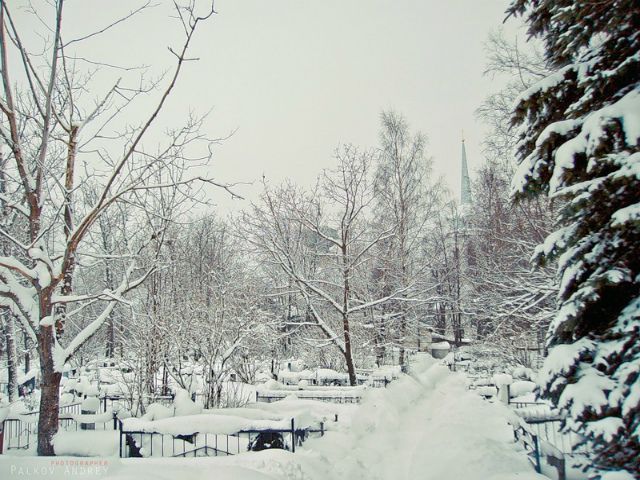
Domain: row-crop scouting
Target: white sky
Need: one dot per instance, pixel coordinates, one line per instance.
(297, 78)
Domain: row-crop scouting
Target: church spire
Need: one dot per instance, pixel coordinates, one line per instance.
(465, 186)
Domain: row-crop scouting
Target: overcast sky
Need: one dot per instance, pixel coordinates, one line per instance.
(296, 78)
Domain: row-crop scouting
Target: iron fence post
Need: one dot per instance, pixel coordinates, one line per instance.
(536, 453)
(120, 435)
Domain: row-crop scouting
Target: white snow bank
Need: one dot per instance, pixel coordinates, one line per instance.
(521, 387)
(292, 407)
(440, 346)
(157, 411)
(501, 379)
(247, 412)
(88, 418)
(183, 405)
(99, 443)
(90, 404)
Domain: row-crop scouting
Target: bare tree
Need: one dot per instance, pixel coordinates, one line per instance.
(322, 242)
(49, 128)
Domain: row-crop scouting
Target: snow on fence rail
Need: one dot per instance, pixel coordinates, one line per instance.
(546, 442)
(115, 402)
(274, 396)
(140, 439)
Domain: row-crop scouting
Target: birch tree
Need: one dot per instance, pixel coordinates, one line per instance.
(405, 199)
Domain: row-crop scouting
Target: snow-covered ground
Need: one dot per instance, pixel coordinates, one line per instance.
(426, 425)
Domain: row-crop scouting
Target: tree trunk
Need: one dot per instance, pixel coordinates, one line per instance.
(165, 380)
(27, 352)
(110, 351)
(49, 399)
(12, 356)
(403, 337)
(347, 351)
(380, 338)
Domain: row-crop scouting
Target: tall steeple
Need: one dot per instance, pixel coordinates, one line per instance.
(465, 186)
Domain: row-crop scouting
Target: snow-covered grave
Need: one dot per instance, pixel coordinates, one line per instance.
(188, 430)
(272, 391)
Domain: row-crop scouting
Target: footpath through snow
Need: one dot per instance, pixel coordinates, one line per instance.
(426, 425)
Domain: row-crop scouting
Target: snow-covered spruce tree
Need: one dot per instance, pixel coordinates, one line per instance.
(579, 131)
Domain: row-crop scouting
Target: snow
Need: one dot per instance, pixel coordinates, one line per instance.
(630, 214)
(90, 404)
(99, 443)
(426, 426)
(620, 475)
(502, 379)
(217, 423)
(562, 357)
(523, 373)
(89, 418)
(341, 392)
(521, 387)
(627, 110)
(607, 427)
(157, 411)
(4, 412)
(589, 393)
(30, 375)
(183, 405)
(187, 425)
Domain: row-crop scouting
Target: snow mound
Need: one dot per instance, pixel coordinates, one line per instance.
(183, 404)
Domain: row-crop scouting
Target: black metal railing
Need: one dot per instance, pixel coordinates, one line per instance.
(531, 444)
(545, 440)
(18, 432)
(149, 444)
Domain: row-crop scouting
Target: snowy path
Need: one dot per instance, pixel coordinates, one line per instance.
(427, 426)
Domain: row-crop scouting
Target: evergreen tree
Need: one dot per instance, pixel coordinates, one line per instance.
(578, 132)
